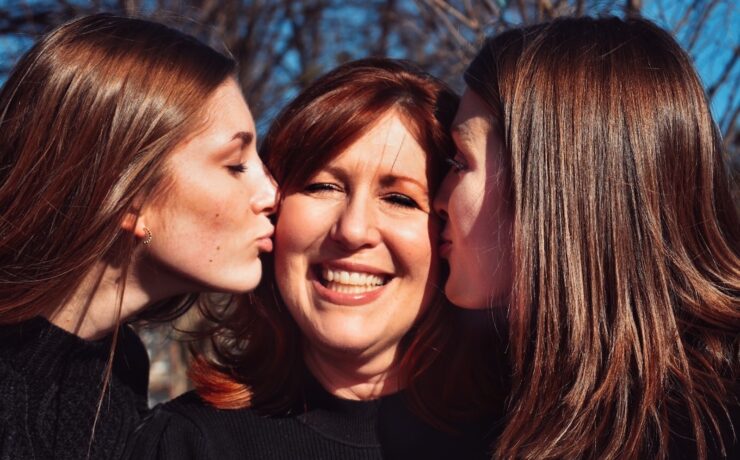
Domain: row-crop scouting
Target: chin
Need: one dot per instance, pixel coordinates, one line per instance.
(247, 281)
(461, 298)
(348, 342)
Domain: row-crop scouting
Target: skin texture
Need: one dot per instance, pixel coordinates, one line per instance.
(213, 221)
(368, 210)
(473, 199)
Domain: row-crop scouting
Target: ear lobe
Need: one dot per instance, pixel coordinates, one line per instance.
(133, 222)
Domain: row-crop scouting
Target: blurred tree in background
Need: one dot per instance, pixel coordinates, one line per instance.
(282, 45)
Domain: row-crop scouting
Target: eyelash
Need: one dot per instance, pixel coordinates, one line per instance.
(238, 168)
(455, 164)
(394, 199)
(403, 201)
(321, 187)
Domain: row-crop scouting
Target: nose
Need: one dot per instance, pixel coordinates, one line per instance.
(265, 198)
(356, 226)
(443, 197)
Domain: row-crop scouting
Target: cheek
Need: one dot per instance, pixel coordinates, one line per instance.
(416, 246)
(466, 203)
(301, 223)
(212, 205)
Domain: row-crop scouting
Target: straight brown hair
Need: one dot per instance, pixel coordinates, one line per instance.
(87, 118)
(625, 310)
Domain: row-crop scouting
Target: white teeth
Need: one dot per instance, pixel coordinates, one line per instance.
(350, 282)
(349, 289)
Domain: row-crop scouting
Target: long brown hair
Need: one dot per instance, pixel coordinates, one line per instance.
(625, 312)
(257, 344)
(87, 117)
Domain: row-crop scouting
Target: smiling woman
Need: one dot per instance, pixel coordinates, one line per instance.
(349, 350)
(356, 257)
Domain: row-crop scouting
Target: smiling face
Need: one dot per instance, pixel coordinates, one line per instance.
(211, 222)
(355, 256)
(477, 238)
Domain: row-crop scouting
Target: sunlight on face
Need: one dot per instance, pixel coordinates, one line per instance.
(355, 247)
(213, 222)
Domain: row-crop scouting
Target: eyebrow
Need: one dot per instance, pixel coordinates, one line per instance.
(390, 179)
(244, 136)
(385, 180)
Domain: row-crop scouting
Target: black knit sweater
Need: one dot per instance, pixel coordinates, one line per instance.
(322, 426)
(50, 387)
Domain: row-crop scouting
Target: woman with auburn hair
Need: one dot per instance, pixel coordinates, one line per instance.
(129, 182)
(590, 174)
(348, 349)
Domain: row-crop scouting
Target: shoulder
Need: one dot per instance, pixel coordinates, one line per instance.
(50, 390)
(188, 427)
(170, 432)
(405, 434)
(14, 439)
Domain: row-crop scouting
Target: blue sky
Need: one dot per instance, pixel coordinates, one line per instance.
(711, 53)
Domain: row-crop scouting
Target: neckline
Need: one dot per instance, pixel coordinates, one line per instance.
(350, 422)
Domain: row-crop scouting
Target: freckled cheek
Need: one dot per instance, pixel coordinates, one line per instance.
(221, 210)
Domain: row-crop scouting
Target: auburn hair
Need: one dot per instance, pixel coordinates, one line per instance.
(257, 345)
(624, 318)
(87, 118)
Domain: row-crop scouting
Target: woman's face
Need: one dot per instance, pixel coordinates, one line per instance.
(355, 248)
(211, 224)
(477, 238)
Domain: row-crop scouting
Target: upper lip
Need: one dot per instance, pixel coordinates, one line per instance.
(351, 266)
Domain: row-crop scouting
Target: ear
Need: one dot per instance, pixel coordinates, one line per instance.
(134, 222)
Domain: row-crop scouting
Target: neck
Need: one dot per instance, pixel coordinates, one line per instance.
(106, 299)
(349, 377)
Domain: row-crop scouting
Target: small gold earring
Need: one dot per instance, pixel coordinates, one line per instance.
(148, 238)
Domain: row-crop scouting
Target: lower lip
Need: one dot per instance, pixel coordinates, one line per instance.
(445, 249)
(264, 244)
(351, 300)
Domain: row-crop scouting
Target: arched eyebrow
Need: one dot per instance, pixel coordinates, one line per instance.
(245, 137)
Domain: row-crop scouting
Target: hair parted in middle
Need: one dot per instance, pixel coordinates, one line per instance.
(257, 344)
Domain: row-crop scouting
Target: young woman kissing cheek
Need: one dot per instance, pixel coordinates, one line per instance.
(355, 252)
(474, 202)
(213, 223)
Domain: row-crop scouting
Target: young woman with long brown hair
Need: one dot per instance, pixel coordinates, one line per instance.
(348, 349)
(129, 182)
(589, 199)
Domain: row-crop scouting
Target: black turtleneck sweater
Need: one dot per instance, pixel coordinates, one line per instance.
(321, 427)
(50, 387)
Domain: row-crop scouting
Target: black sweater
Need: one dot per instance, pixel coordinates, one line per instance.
(50, 387)
(321, 427)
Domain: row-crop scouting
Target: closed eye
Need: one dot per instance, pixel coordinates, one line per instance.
(456, 164)
(237, 168)
(321, 187)
(401, 200)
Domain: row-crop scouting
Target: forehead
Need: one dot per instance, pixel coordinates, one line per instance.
(227, 106)
(387, 146)
(473, 118)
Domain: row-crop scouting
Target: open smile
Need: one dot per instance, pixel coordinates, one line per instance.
(349, 286)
